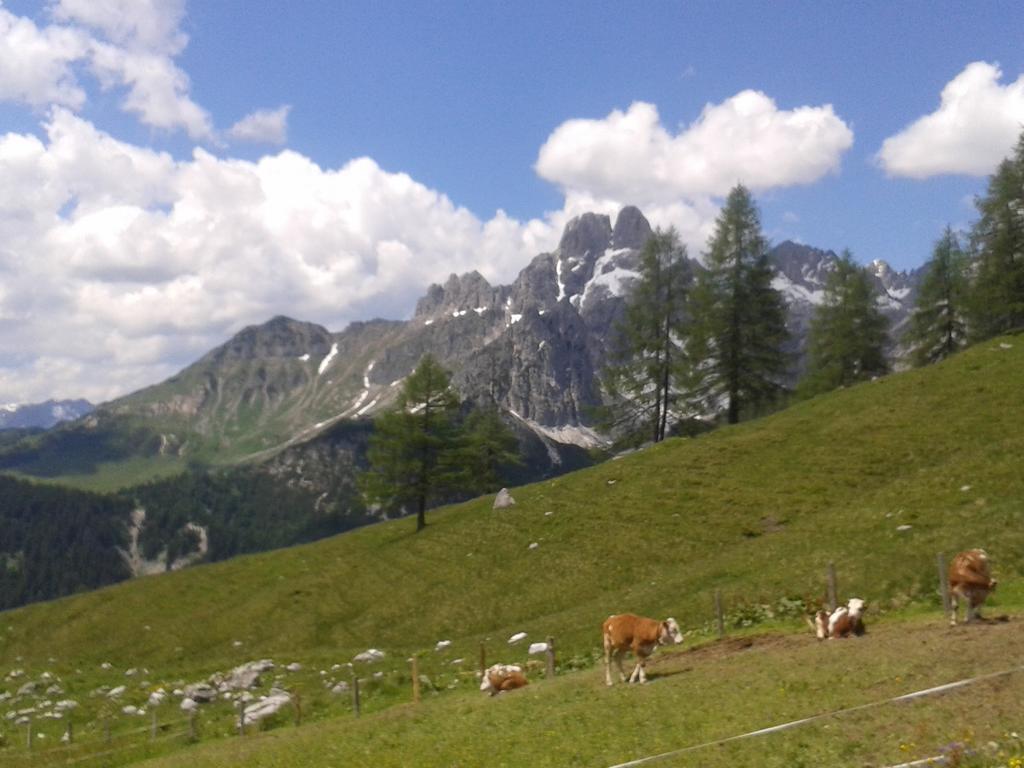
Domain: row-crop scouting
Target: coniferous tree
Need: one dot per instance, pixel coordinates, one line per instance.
(648, 358)
(415, 448)
(739, 318)
(937, 326)
(997, 240)
(490, 449)
(848, 335)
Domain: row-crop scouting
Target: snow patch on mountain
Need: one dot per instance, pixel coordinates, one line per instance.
(327, 360)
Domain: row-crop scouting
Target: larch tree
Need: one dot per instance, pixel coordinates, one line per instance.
(415, 449)
(938, 326)
(739, 319)
(997, 242)
(648, 359)
(848, 334)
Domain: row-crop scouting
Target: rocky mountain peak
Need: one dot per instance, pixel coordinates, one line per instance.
(632, 229)
(279, 337)
(459, 293)
(589, 234)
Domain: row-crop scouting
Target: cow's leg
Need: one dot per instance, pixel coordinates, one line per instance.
(954, 604)
(607, 660)
(619, 655)
(637, 671)
(642, 665)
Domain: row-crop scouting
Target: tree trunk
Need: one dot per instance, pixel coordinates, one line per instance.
(421, 513)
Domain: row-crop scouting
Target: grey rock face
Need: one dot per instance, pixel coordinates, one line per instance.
(632, 230)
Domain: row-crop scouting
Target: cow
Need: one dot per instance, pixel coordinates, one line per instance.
(629, 632)
(844, 621)
(970, 581)
(503, 677)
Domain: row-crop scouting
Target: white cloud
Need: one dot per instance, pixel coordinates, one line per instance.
(264, 126)
(151, 25)
(745, 138)
(125, 44)
(631, 158)
(120, 265)
(976, 125)
(36, 64)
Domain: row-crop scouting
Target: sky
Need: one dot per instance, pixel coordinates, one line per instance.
(173, 171)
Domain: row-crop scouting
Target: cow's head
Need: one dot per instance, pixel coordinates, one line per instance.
(856, 607)
(670, 632)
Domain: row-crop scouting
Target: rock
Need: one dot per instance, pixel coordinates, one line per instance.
(65, 705)
(369, 655)
(442, 644)
(534, 545)
(503, 499)
(340, 688)
(28, 689)
(189, 705)
(294, 667)
(113, 693)
(106, 665)
(247, 676)
(130, 710)
(201, 692)
(156, 698)
(536, 648)
(54, 690)
(903, 528)
(518, 637)
(265, 707)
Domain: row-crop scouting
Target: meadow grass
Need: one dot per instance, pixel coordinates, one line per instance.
(756, 511)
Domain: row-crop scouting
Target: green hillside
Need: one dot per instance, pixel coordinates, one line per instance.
(756, 511)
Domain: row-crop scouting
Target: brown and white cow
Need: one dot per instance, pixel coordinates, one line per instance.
(844, 621)
(970, 581)
(503, 677)
(629, 632)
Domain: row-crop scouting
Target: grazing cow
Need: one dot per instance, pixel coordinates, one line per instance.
(969, 581)
(844, 621)
(628, 632)
(503, 677)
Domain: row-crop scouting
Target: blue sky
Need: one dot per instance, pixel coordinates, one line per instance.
(179, 170)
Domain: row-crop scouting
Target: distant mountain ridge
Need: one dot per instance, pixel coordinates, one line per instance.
(42, 415)
(535, 347)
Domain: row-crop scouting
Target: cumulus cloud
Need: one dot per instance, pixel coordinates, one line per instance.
(120, 264)
(745, 138)
(124, 44)
(36, 64)
(630, 157)
(264, 126)
(976, 125)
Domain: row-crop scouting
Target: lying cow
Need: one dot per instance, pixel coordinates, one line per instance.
(628, 632)
(503, 677)
(971, 582)
(844, 621)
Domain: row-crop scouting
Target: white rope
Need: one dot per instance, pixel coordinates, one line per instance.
(803, 721)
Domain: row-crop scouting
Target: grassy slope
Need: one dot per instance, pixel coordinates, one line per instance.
(756, 511)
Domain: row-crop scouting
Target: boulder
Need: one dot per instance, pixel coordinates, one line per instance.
(503, 499)
(265, 707)
(246, 676)
(202, 693)
(370, 654)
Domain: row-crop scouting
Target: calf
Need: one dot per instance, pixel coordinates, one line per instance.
(971, 582)
(503, 677)
(628, 632)
(844, 621)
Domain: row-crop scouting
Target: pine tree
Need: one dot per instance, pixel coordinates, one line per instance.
(648, 357)
(997, 239)
(490, 449)
(937, 326)
(415, 448)
(739, 318)
(848, 335)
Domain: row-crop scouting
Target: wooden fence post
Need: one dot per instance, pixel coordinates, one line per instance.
(355, 695)
(28, 736)
(106, 730)
(415, 680)
(152, 726)
(943, 583)
(241, 717)
(70, 732)
(719, 615)
(550, 653)
(483, 658)
(833, 600)
(297, 703)
(193, 735)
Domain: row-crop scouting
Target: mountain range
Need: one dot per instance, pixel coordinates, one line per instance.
(285, 405)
